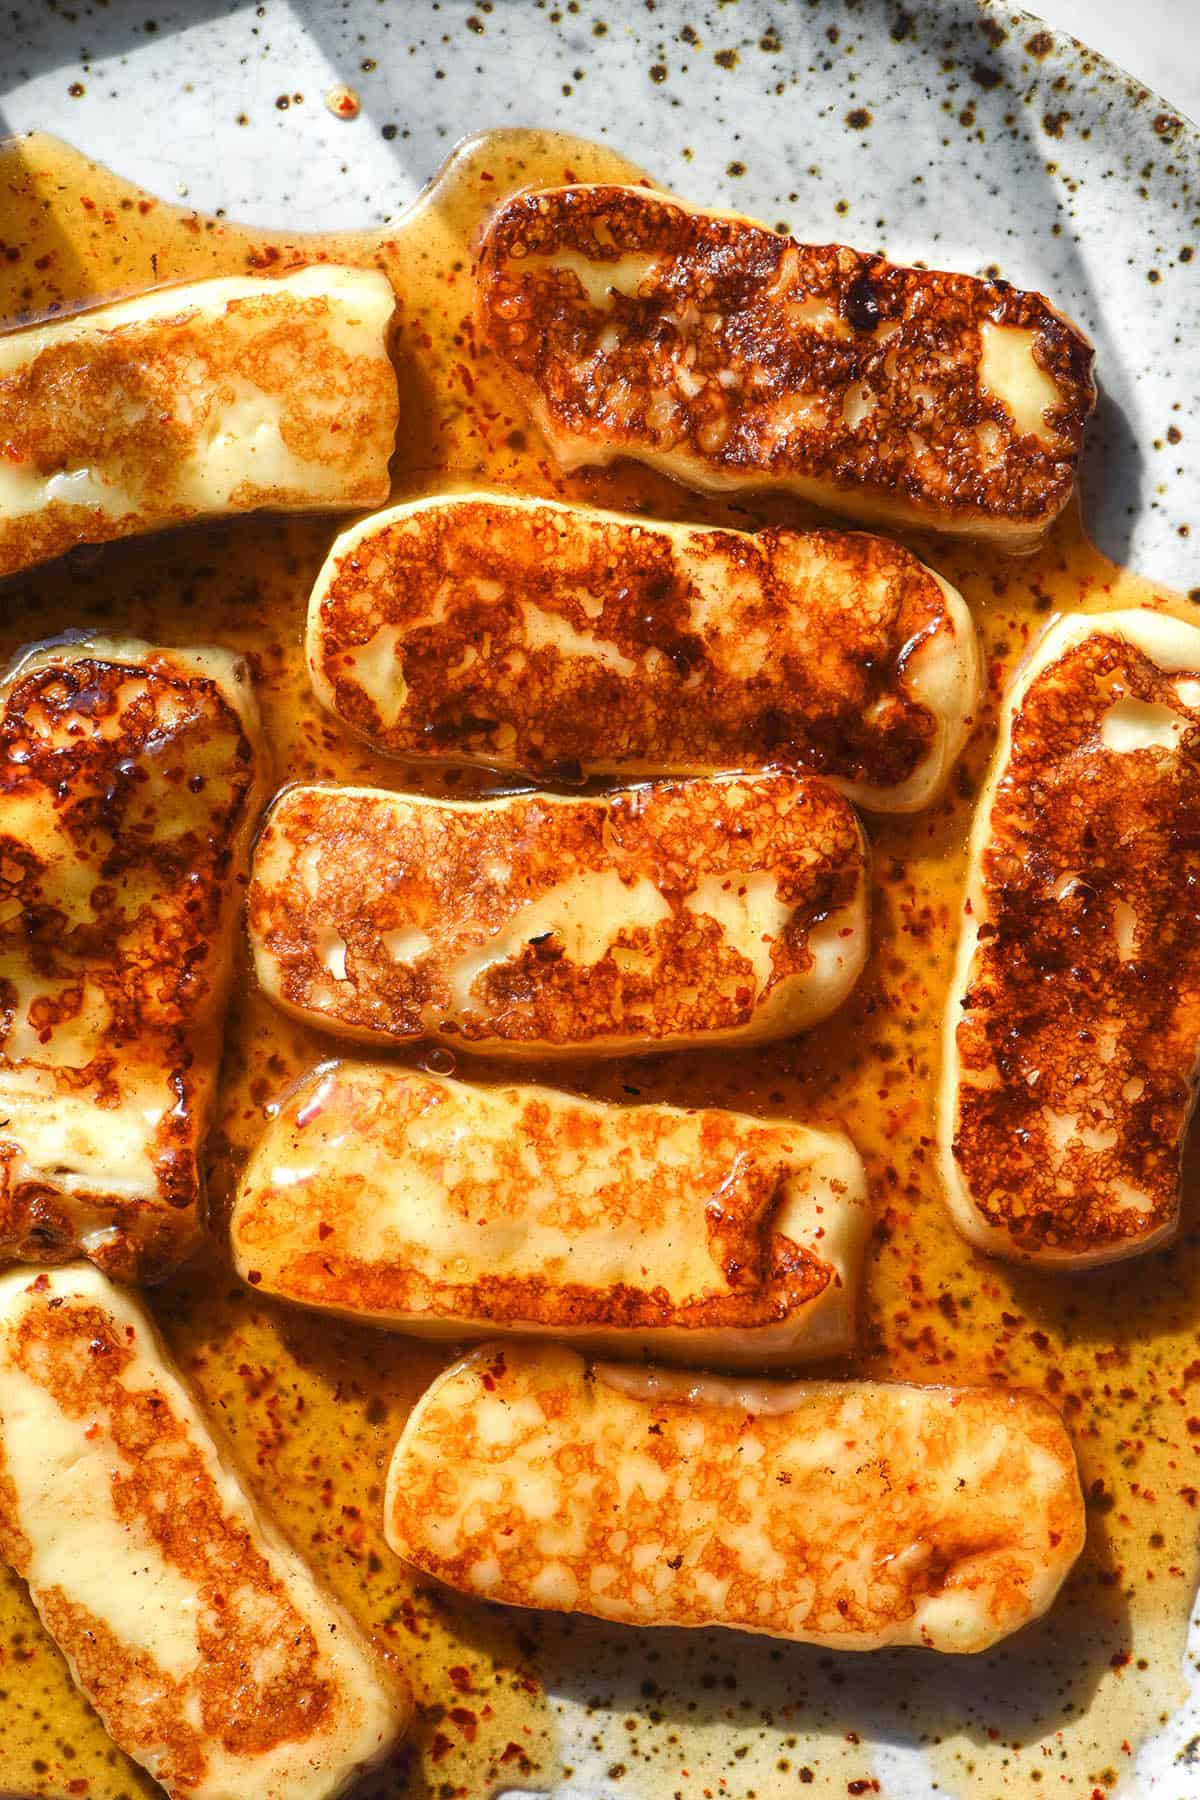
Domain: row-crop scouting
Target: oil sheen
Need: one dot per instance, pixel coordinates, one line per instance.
(312, 1408)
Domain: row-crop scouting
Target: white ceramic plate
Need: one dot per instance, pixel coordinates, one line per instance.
(964, 135)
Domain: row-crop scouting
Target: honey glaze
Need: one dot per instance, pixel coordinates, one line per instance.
(312, 1408)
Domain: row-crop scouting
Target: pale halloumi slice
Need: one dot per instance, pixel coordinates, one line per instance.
(199, 1636)
(436, 1207)
(848, 1514)
(130, 783)
(1071, 1035)
(731, 357)
(526, 635)
(218, 396)
(698, 912)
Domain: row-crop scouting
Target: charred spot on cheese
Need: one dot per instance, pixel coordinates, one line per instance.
(131, 781)
(219, 396)
(728, 910)
(1071, 1036)
(211, 1655)
(437, 1207)
(729, 356)
(527, 635)
(848, 1514)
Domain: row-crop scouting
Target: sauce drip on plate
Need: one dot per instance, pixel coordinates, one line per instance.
(313, 1407)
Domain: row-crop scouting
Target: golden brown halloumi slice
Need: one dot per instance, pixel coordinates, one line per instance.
(206, 1647)
(451, 1210)
(531, 636)
(848, 1514)
(1071, 1035)
(130, 783)
(698, 912)
(219, 396)
(731, 357)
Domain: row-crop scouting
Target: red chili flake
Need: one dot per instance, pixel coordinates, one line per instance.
(324, 1230)
(40, 1283)
(87, 205)
(343, 103)
(1193, 1426)
(460, 1677)
(465, 1719)
(512, 1753)
(254, 1276)
(1119, 1658)
(80, 1785)
(441, 1744)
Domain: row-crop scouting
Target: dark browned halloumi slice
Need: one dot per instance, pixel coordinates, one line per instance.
(698, 912)
(849, 1514)
(218, 396)
(130, 783)
(531, 636)
(731, 357)
(1071, 1036)
(206, 1647)
(452, 1210)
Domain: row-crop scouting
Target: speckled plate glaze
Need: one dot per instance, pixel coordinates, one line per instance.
(964, 135)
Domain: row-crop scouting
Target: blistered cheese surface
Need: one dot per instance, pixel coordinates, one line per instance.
(531, 636)
(850, 1514)
(730, 356)
(1074, 1019)
(215, 396)
(681, 912)
(425, 1203)
(201, 1640)
(131, 781)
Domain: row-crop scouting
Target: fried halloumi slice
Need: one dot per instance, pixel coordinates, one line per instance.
(1071, 1035)
(216, 397)
(731, 357)
(130, 783)
(206, 1647)
(849, 1514)
(526, 635)
(454, 1211)
(699, 912)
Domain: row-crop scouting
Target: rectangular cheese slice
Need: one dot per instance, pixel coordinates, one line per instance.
(432, 1206)
(1070, 1048)
(731, 357)
(561, 640)
(201, 1639)
(848, 1514)
(700, 912)
(130, 783)
(214, 397)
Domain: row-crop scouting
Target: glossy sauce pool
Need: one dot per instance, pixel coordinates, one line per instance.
(313, 1408)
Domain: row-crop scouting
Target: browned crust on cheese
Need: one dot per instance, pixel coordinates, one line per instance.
(842, 616)
(385, 863)
(114, 752)
(764, 1275)
(724, 296)
(1048, 987)
(164, 1489)
(111, 401)
(989, 1544)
